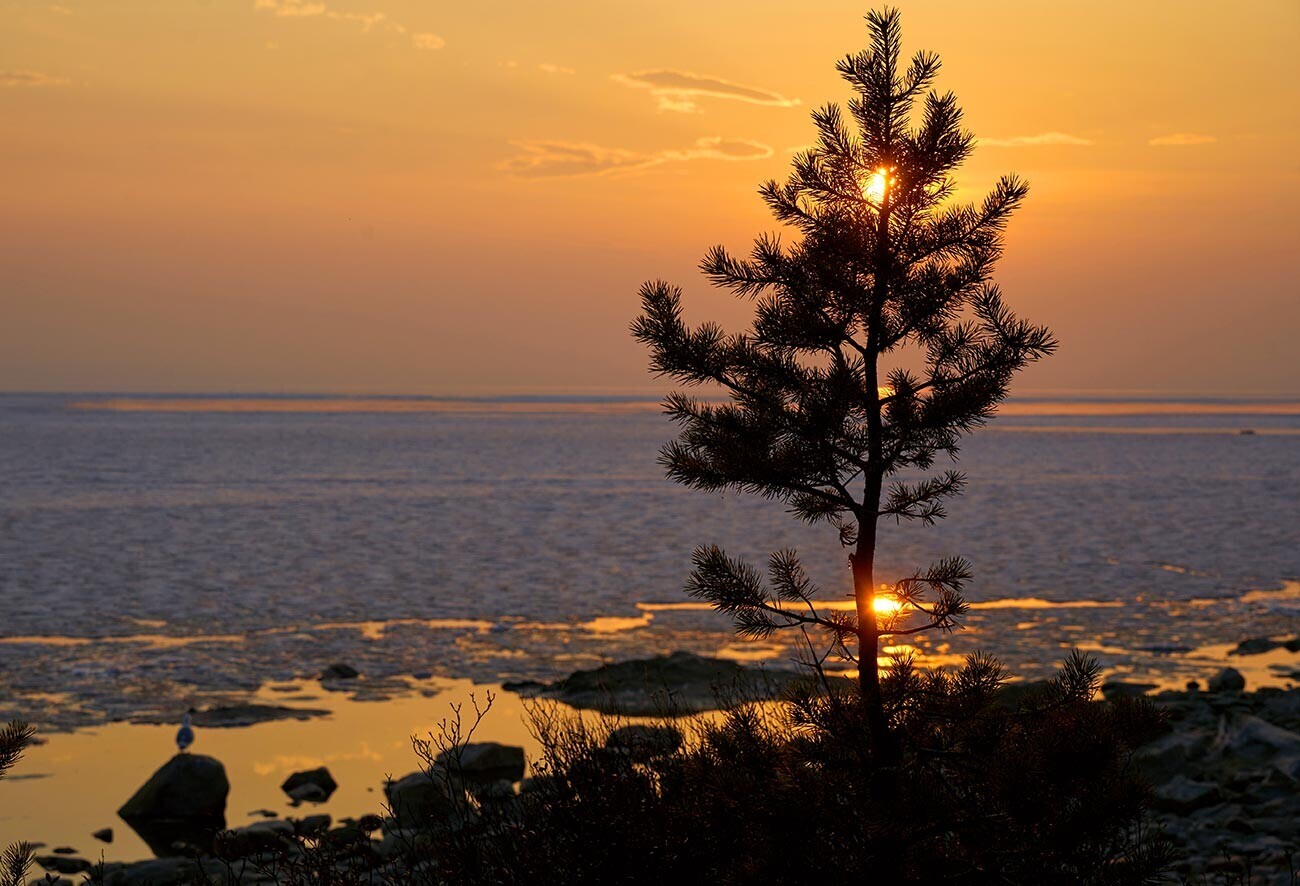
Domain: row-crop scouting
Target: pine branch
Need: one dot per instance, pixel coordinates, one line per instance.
(14, 740)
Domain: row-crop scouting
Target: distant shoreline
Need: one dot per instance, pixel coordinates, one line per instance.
(537, 403)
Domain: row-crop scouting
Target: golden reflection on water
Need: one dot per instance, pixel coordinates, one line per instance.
(64, 790)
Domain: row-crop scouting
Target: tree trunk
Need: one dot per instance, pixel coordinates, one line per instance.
(883, 743)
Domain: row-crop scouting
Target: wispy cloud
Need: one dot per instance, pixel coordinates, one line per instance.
(1179, 139)
(541, 158)
(548, 68)
(29, 78)
(426, 40)
(368, 21)
(1034, 141)
(678, 90)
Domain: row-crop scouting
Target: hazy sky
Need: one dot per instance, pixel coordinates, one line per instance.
(418, 196)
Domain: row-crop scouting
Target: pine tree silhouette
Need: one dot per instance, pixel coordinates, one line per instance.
(821, 412)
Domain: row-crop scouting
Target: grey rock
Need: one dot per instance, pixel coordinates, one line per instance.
(417, 800)
(1181, 794)
(674, 684)
(1255, 646)
(340, 671)
(1171, 754)
(1122, 689)
(642, 742)
(499, 791)
(104, 835)
(484, 761)
(312, 824)
(260, 836)
(319, 779)
(1227, 680)
(539, 784)
(307, 793)
(156, 872)
(63, 864)
(188, 788)
(1246, 740)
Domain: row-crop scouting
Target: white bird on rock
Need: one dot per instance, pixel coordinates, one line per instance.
(185, 735)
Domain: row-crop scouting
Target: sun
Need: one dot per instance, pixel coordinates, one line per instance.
(886, 605)
(876, 184)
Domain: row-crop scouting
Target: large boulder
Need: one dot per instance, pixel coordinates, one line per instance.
(183, 802)
(1248, 742)
(418, 800)
(314, 785)
(1227, 680)
(484, 761)
(188, 787)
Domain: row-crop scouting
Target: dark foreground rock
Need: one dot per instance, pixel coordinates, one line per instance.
(485, 761)
(641, 742)
(312, 785)
(1227, 680)
(188, 786)
(1227, 781)
(164, 872)
(669, 685)
(417, 800)
(63, 864)
(182, 803)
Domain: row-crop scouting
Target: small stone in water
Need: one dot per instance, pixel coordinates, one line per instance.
(340, 671)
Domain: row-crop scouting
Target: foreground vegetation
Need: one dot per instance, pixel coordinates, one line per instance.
(991, 784)
(990, 788)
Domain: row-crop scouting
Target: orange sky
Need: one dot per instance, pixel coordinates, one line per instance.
(410, 196)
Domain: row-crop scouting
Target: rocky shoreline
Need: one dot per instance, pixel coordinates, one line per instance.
(1225, 777)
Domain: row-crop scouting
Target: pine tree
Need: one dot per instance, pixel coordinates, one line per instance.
(822, 412)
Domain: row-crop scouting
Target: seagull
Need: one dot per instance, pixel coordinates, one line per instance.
(185, 735)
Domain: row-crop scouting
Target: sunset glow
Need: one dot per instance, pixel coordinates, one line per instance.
(875, 186)
(885, 604)
(426, 199)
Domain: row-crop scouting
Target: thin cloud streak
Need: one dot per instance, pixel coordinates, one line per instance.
(14, 79)
(677, 90)
(1045, 139)
(540, 158)
(367, 20)
(1180, 139)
